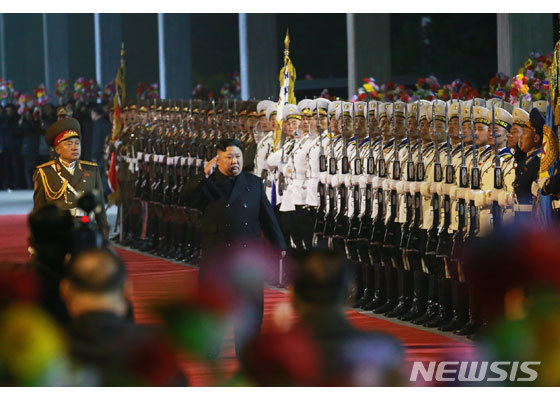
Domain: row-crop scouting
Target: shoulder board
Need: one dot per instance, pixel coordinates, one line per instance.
(45, 164)
(88, 163)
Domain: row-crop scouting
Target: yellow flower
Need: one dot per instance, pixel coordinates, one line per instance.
(440, 93)
(521, 71)
(30, 343)
(528, 63)
(368, 87)
(519, 77)
(524, 89)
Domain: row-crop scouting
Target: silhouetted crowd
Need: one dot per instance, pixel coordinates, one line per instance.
(22, 144)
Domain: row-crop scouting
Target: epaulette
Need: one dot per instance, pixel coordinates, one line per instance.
(45, 164)
(88, 163)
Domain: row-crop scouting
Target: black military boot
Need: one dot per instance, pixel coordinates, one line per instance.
(419, 298)
(366, 294)
(460, 312)
(390, 290)
(379, 296)
(444, 314)
(474, 322)
(405, 296)
(432, 303)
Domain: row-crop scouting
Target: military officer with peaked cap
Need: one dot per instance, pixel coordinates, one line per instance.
(63, 180)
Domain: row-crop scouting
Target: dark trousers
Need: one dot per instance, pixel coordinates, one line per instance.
(11, 174)
(30, 161)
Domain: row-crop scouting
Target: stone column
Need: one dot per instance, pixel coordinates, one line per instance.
(56, 52)
(259, 56)
(369, 48)
(175, 55)
(521, 34)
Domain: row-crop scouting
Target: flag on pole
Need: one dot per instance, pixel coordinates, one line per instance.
(550, 162)
(287, 80)
(118, 101)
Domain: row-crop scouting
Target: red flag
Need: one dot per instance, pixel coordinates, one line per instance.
(113, 180)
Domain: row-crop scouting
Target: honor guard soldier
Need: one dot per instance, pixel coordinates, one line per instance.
(63, 180)
(264, 148)
(527, 160)
(266, 140)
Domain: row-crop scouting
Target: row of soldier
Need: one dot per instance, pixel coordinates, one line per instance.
(399, 188)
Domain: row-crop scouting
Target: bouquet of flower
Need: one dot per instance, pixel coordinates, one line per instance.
(200, 92)
(152, 91)
(80, 89)
(232, 89)
(93, 91)
(24, 103)
(427, 88)
(108, 91)
(62, 90)
(40, 95)
(531, 83)
(6, 91)
(141, 90)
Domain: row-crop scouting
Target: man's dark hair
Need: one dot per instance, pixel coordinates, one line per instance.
(99, 110)
(223, 144)
(51, 234)
(320, 277)
(109, 274)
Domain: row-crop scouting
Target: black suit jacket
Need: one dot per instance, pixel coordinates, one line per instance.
(238, 220)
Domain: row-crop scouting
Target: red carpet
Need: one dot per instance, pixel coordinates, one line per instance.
(152, 277)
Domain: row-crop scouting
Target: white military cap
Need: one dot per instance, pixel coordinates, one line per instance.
(439, 107)
(528, 105)
(541, 106)
(412, 109)
(360, 108)
(304, 106)
(501, 117)
(499, 103)
(322, 104)
(333, 107)
(479, 102)
(262, 106)
(480, 114)
(453, 109)
(520, 116)
(398, 108)
(290, 111)
(271, 109)
(372, 106)
(346, 107)
(382, 109)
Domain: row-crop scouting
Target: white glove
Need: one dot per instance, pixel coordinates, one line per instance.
(362, 181)
(479, 197)
(336, 180)
(400, 187)
(386, 184)
(406, 186)
(393, 184)
(377, 182)
(425, 189)
(323, 177)
(433, 187)
(462, 193)
(535, 188)
(438, 186)
(453, 192)
(491, 196)
(446, 188)
(505, 199)
(355, 179)
(347, 179)
(414, 187)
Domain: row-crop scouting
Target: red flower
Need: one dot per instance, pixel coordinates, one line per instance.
(541, 59)
(475, 93)
(514, 92)
(525, 79)
(390, 85)
(456, 95)
(430, 97)
(504, 81)
(420, 82)
(493, 81)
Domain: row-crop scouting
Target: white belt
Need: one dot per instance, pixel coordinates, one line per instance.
(78, 212)
(523, 208)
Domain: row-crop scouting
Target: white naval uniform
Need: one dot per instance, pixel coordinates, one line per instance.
(264, 146)
(275, 164)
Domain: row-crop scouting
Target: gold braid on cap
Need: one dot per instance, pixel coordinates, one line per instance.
(51, 194)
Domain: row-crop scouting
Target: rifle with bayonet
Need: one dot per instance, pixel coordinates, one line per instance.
(432, 242)
(342, 223)
(393, 229)
(378, 231)
(366, 222)
(354, 223)
(475, 184)
(498, 178)
(445, 237)
(406, 228)
(330, 217)
(458, 238)
(321, 210)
